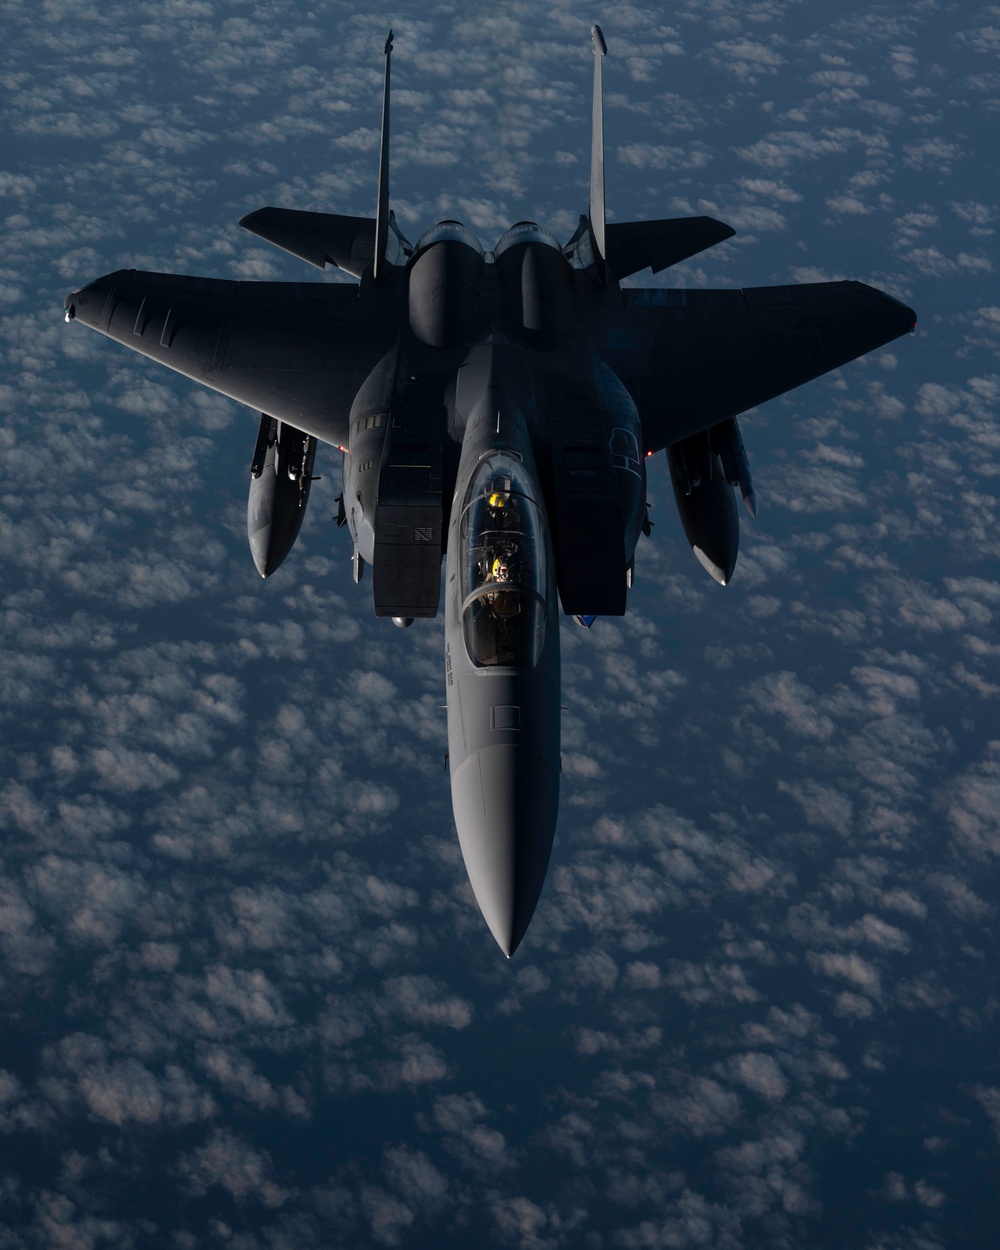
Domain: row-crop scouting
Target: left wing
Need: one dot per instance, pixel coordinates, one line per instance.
(692, 358)
(297, 351)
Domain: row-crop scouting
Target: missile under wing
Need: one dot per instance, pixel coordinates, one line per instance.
(495, 408)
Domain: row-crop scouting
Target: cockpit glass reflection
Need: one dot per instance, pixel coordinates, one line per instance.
(503, 571)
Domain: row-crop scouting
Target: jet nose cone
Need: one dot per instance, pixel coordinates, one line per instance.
(506, 799)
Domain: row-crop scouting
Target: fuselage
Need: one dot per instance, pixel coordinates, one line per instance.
(533, 485)
(501, 656)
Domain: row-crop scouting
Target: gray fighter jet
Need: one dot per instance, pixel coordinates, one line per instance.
(496, 408)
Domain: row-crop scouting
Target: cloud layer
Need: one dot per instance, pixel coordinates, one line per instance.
(248, 997)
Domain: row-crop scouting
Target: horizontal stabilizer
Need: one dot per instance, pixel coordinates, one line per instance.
(319, 238)
(656, 245)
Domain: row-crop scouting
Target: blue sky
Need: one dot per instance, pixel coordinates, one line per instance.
(247, 997)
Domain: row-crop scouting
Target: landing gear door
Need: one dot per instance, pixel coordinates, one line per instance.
(406, 575)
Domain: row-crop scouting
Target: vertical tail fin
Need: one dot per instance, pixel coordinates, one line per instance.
(596, 214)
(382, 204)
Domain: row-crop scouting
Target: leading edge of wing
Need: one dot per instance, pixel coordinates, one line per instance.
(692, 358)
(841, 295)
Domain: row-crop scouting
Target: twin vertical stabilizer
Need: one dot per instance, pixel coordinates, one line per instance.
(596, 212)
(360, 244)
(382, 203)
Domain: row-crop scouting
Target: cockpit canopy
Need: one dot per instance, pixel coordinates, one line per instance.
(503, 566)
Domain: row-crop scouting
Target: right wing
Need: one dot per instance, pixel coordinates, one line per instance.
(692, 358)
(297, 351)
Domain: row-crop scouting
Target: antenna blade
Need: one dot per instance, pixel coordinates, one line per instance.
(596, 213)
(382, 205)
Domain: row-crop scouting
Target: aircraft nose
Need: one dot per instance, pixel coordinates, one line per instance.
(506, 799)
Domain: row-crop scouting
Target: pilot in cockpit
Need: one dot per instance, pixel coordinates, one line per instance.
(502, 512)
(499, 566)
(504, 600)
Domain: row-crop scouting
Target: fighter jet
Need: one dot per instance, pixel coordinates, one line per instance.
(495, 408)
